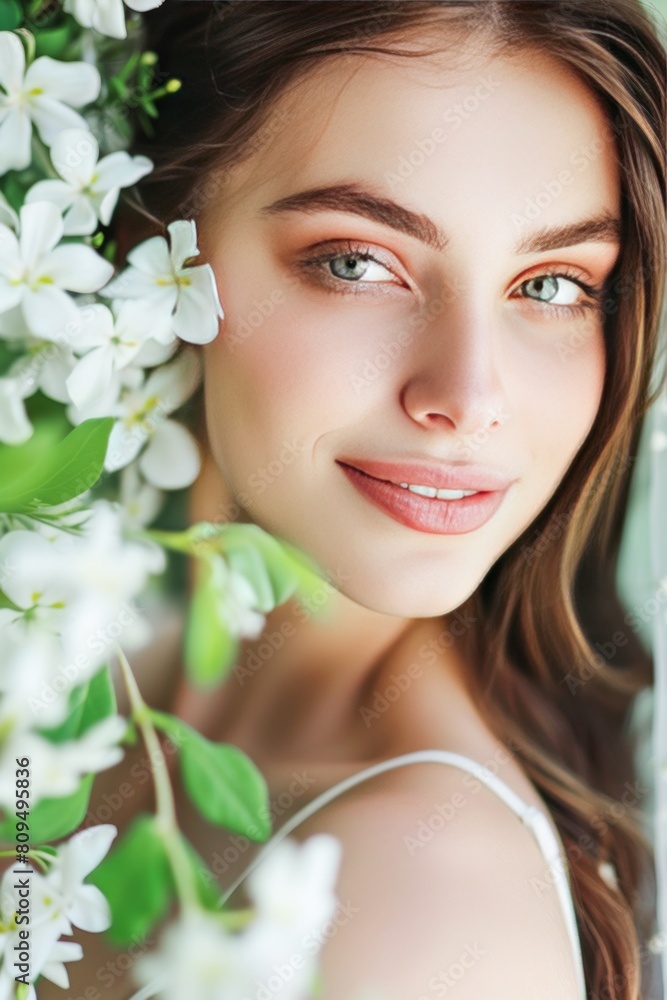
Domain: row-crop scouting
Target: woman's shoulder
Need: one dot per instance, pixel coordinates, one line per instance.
(440, 883)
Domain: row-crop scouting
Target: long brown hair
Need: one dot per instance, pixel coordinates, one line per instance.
(547, 678)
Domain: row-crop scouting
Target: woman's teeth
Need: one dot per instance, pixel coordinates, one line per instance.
(430, 491)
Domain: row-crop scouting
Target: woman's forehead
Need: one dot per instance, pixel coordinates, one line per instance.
(493, 133)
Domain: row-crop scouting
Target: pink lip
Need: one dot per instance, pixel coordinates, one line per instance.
(442, 476)
(439, 517)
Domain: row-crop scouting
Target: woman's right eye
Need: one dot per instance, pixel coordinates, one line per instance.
(349, 266)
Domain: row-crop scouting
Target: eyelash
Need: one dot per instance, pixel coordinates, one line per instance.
(348, 248)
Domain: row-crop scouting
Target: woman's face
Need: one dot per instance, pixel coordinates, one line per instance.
(357, 330)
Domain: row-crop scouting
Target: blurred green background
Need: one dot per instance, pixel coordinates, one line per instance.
(660, 6)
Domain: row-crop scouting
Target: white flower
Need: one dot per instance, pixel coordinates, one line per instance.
(140, 501)
(178, 301)
(35, 272)
(15, 427)
(236, 600)
(113, 341)
(89, 189)
(7, 214)
(45, 928)
(171, 459)
(78, 586)
(57, 768)
(106, 16)
(293, 887)
(28, 697)
(45, 366)
(57, 900)
(293, 890)
(44, 95)
(198, 958)
(82, 905)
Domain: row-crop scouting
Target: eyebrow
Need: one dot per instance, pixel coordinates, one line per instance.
(358, 200)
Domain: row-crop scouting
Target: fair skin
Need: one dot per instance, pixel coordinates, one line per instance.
(493, 361)
(483, 369)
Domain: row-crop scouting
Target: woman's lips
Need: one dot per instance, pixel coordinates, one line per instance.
(439, 517)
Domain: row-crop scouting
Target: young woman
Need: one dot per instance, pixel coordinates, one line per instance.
(438, 235)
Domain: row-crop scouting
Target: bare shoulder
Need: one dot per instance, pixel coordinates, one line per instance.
(440, 885)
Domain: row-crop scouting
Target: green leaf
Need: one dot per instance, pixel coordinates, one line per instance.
(72, 467)
(277, 564)
(52, 819)
(52, 41)
(209, 649)
(136, 879)
(11, 15)
(89, 703)
(251, 565)
(15, 459)
(208, 890)
(221, 781)
(100, 701)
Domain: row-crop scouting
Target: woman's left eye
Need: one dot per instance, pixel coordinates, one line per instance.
(560, 291)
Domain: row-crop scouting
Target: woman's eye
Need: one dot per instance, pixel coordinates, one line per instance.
(355, 266)
(340, 267)
(562, 292)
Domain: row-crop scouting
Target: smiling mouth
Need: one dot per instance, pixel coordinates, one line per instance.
(435, 515)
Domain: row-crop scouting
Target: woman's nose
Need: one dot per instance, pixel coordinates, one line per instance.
(453, 376)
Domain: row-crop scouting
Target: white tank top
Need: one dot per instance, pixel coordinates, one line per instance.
(534, 818)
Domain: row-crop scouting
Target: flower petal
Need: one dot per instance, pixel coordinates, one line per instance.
(84, 851)
(124, 444)
(91, 376)
(142, 5)
(151, 257)
(81, 218)
(49, 312)
(15, 428)
(171, 461)
(77, 268)
(119, 170)
(175, 382)
(51, 117)
(75, 83)
(183, 238)
(90, 910)
(12, 61)
(57, 192)
(15, 134)
(196, 316)
(41, 228)
(74, 154)
(105, 16)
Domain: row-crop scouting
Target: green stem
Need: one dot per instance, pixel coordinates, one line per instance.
(175, 540)
(164, 797)
(38, 857)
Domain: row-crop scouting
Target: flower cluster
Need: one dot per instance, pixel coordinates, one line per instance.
(95, 362)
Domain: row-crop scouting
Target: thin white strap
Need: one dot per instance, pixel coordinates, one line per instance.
(530, 815)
